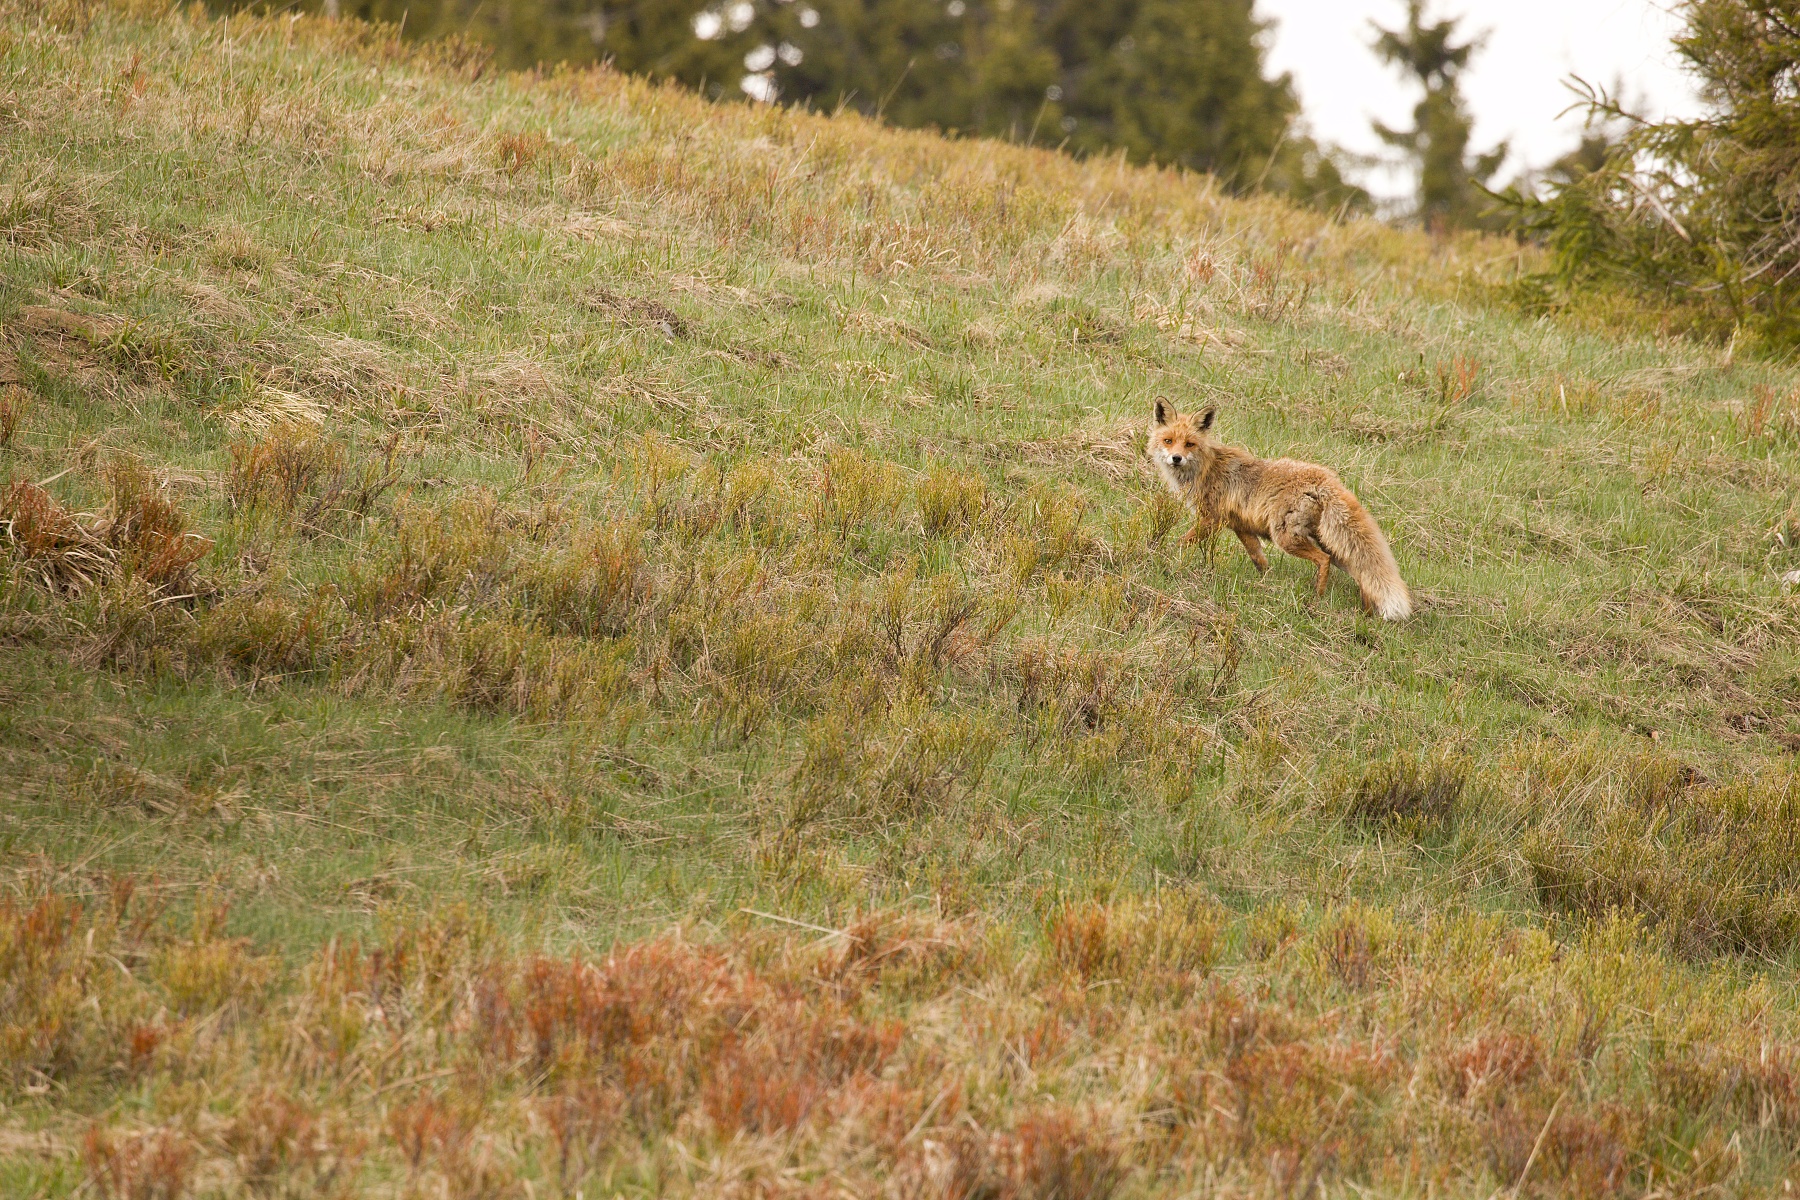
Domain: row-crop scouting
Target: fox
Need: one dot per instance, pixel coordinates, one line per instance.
(1302, 507)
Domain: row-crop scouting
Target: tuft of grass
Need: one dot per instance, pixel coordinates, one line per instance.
(294, 471)
(15, 403)
(281, 1146)
(157, 1165)
(949, 502)
(141, 535)
(1411, 793)
(279, 468)
(60, 551)
(148, 531)
(1136, 941)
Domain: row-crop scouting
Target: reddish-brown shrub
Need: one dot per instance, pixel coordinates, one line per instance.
(61, 551)
(278, 468)
(902, 952)
(669, 1025)
(582, 1118)
(426, 1127)
(150, 533)
(154, 1165)
(283, 1147)
(791, 1055)
(1056, 1153)
(1491, 1066)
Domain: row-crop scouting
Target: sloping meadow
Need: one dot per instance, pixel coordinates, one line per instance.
(558, 638)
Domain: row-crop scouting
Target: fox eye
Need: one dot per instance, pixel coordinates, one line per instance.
(1168, 441)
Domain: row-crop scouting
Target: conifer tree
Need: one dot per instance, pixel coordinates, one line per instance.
(1178, 82)
(1174, 81)
(1700, 216)
(1449, 189)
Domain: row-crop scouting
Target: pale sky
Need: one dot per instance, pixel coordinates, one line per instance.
(1514, 86)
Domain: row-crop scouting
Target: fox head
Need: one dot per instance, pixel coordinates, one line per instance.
(1178, 441)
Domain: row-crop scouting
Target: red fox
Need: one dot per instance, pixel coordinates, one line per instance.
(1301, 507)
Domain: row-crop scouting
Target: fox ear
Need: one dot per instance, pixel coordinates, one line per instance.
(1161, 412)
(1206, 417)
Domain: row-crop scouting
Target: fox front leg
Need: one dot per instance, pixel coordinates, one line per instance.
(1202, 531)
(1253, 545)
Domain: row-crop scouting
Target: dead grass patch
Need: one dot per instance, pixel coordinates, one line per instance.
(61, 551)
(45, 323)
(883, 327)
(45, 209)
(1114, 453)
(1410, 793)
(636, 311)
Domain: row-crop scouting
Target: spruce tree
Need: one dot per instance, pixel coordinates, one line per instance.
(1181, 82)
(1700, 216)
(1450, 194)
(1178, 82)
(657, 38)
(969, 67)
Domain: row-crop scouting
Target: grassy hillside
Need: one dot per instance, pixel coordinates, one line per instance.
(556, 639)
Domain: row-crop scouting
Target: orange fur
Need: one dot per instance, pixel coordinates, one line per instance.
(1301, 507)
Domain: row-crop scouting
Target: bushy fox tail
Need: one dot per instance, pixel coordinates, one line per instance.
(1353, 539)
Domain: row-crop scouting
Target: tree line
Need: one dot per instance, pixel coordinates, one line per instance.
(1700, 217)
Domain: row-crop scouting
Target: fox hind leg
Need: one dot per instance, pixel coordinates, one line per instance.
(1301, 546)
(1253, 546)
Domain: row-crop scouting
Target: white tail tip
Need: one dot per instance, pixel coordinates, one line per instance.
(1396, 607)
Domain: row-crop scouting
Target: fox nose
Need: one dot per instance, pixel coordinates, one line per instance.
(1175, 460)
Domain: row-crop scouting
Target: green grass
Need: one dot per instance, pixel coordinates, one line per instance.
(623, 514)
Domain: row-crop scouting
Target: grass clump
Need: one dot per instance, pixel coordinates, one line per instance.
(1135, 941)
(15, 403)
(154, 1165)
(1412, 794)
(142, 535)
(148, 531)
(279, 468)
(61, 553)
(949, 502)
